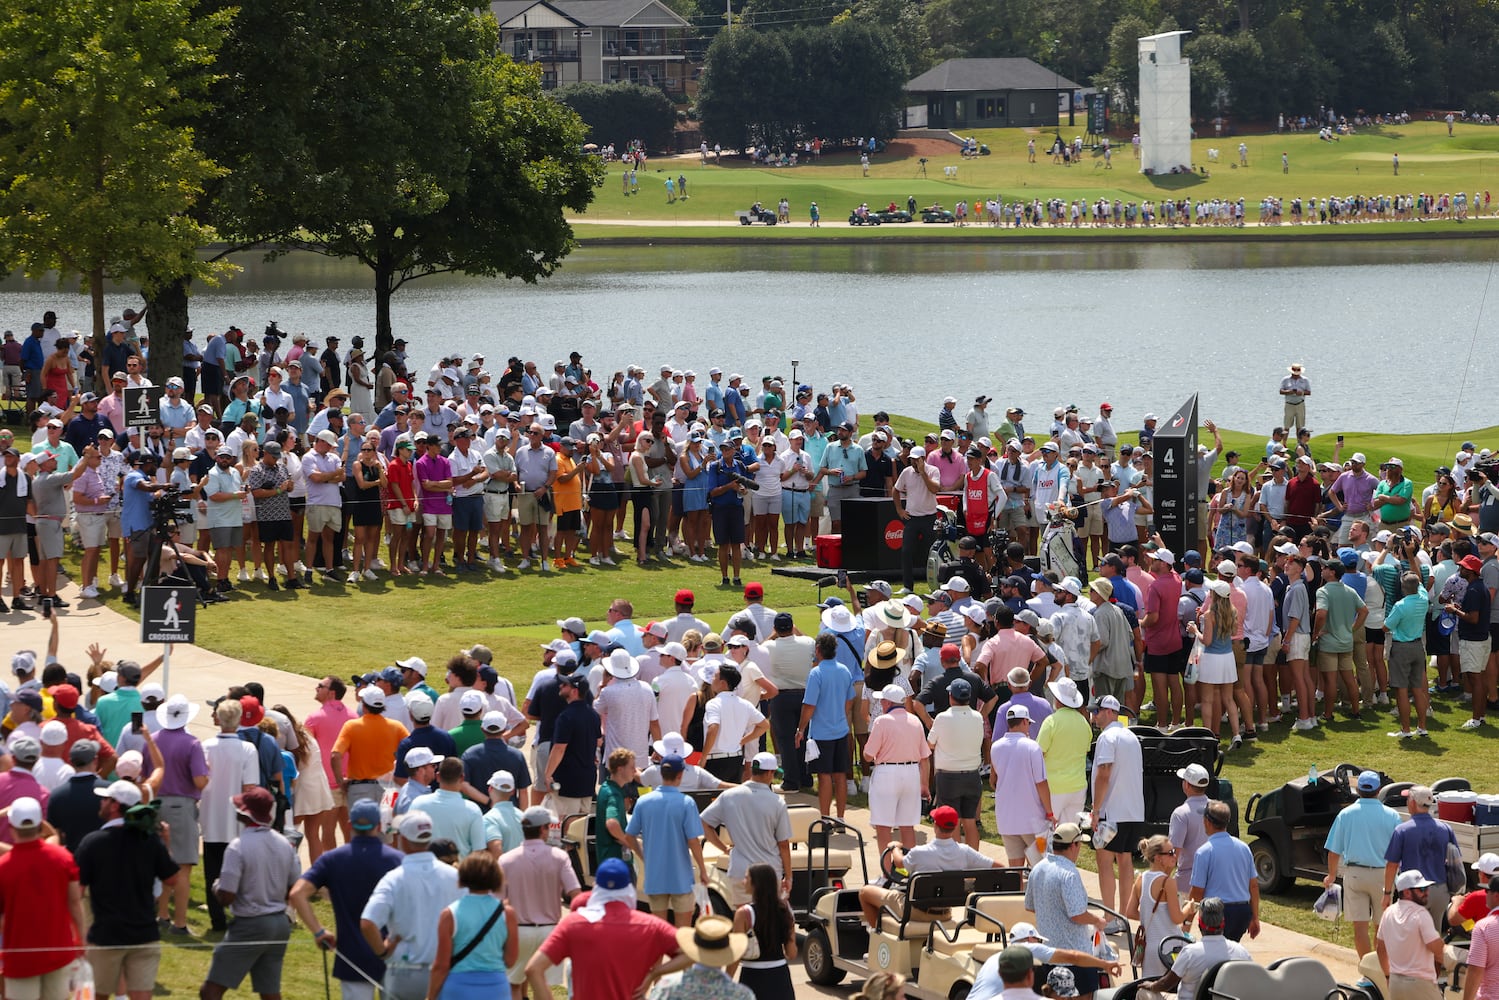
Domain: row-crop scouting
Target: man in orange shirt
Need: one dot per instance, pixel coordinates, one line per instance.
(366, 748)
(567, 498)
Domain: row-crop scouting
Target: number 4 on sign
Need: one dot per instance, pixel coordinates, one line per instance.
(1170, 458)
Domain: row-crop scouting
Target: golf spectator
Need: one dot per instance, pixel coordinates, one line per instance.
(348, 874)
(570, 772)
(1193, 962)
(1482, 982)
(669, 823)
(119, 866)
(1356, 847)
(1406, 622)
(184, 775)
(826, 707)
(1420, 844)
(1055, 894)
(1185, 830)
(1155, 900)
(898, 748)
(621, 945)
(1065, 739)
(957, 742)
(42, 901)
(944, 853)
(1224, 869)
(260, 867)
(365, 748)
(233, 768)
(399, 922)
(502, 827)
(611, 811)
(1021, 795)
(452, 816)
(539, 879)
(758, 824)
(1118, 801)
(72, 807)
(1409, 946)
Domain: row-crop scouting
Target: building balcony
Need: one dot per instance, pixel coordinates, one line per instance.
(521, 54)
(664, 49)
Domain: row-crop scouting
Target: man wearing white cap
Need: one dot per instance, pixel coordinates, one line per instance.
(366, 747)
(43, 903)
(1022, 796)
(898, 749)
(730, 723)
(758, 824)
(627, 707)
(453, 816)
(915, 495)
(1163, 638)
(1118, 800)
(324, 472)
(1408, 943)
(184, 775)
(502, 829)
(400, 920)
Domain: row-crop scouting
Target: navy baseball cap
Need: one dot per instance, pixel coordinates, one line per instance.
(960, 690)
(1192, 557)
(364, 814)
(391, 675)
(673, 764)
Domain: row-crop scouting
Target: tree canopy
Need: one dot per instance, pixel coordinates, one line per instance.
(619, 112)
(837, 81)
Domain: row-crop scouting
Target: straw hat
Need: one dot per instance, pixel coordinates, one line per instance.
(712, 942)
(883, 657)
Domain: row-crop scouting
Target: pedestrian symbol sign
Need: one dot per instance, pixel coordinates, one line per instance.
(168, 614)
(142, 405)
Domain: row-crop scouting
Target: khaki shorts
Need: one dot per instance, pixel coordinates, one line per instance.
(1300, 647)
(496, 507)
(138, 963)
(48, 986)
(399, 517)
(1331, 663)
(93, 530)
(529, 512)
(531, 937)
(324, 517)
(115, 531)
(443, 522)
(1011, 518)
(1473, 655)
(677, 902)
(1363, 892)
(1021, 847)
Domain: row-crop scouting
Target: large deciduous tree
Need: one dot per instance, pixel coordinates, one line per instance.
(619, 112)
(99, 170)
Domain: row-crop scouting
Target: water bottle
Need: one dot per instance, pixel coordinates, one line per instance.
(1311, 775)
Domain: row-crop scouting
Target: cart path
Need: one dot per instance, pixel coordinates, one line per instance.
(201, 674)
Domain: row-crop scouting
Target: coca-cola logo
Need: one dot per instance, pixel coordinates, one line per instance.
(895, 533)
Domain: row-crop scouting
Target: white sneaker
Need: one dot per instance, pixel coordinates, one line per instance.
(348, 555)
(546, 567)
(353, 577)
(91, 592)
(1304, 725)
(378, 564)
(1472, 724)
(621, 536)
(775, 557)
(244, 575)
(262, 575)
(853, 787)
(497, 564)
(523, 564)
(300, 567)
(412, 565)
(115, 581)
(369, 574)
(593, 561)
(608, 562)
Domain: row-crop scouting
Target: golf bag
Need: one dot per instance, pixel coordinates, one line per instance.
(1060, 549)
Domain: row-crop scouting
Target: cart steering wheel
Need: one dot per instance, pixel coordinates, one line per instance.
(898, 878)
(1170, 947)
(1342, 774)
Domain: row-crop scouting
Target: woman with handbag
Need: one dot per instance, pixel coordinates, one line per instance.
(772, 936)
(1153, 903)
(477, 937)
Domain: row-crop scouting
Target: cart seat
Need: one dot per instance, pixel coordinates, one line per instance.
(1005, 910)
(968, 939)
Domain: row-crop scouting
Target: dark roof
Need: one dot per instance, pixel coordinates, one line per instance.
(964, 75)
(608, 13)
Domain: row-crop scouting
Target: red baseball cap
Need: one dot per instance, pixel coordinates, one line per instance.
(65, 696)
(944, 817)
(754, 590)
(951, 652)
(685, 597)
(253, 711)
(1471, 562)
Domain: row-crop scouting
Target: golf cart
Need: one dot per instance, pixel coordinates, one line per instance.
(578, 833)
(938, 214)
(948, 924)
(822, 852)
(1163, 755)
(1290, 824)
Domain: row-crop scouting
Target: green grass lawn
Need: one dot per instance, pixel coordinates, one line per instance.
(1430, 162)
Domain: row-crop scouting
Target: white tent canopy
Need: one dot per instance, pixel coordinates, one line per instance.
(1165, 104)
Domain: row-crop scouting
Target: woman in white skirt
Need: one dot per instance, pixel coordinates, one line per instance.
(898, 748)
(1214, 628)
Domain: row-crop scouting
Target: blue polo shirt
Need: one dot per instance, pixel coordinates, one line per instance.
(718, 475)
(135, 510)
(848, 642)
(350, 874)
(849, 458)
(666, 820)
(1361, 833)
(830, 687)
(1421, 843)
(1223, 868)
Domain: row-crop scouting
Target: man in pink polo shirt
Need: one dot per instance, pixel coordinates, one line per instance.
(1164, 661)
(898, 748)
(325, 723)
(1006, 650)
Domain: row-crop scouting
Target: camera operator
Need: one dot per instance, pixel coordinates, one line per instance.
(181, 563)
(137, 520)
(728, 478)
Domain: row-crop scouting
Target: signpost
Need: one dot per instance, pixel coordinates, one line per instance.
(168, 615)
(1176, 480)
(1098, 113)
(142, 405)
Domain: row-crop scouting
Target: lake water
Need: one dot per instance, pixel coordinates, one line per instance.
(1385, 329)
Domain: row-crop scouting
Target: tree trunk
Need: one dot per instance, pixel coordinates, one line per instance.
(166, 318)
(384, 288)
(99, 337)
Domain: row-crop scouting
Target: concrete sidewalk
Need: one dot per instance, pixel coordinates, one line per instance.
(201, 674)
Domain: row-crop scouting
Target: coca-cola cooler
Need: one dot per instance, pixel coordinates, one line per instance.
(871, 534)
